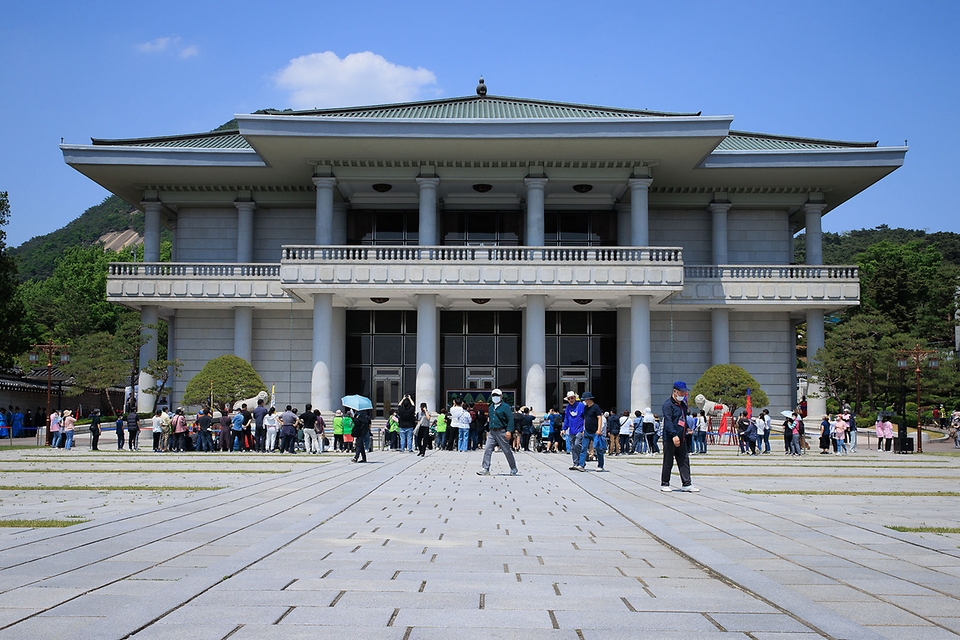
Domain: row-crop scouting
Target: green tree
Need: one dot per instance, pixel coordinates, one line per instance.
(912, 286)
(14, 338)
(97, 362)
(160, 371)
(728, 384)
(227, 379)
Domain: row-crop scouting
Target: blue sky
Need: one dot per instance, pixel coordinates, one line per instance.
(870, 70)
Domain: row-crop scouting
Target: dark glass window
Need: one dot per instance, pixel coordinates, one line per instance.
(574, 350)
(410, 348)
(481, 322)
(583, 340)
(358, 322)
(451, 322)
(481, 350)
(389, 322)
(453, 349)
(580, 228)
(510, 322)
(604, 323)
(388, 350)
(481, 227)
(573, 323)
(453, 378)
(383, 227)
(508, 350)
(550, 343)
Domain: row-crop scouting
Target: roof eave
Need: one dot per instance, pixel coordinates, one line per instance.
(799, 158)
(76, 154)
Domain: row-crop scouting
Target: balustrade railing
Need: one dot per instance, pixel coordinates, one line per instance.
(770, 272)
(194, 270)
(381, 254)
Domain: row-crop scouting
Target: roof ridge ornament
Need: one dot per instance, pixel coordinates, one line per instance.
(481, 88)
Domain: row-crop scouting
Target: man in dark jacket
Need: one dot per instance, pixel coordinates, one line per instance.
(674, 432)
(361, 426)
(501, 431)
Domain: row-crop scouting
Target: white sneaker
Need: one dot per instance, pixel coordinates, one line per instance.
(666, 488)
(689, 489)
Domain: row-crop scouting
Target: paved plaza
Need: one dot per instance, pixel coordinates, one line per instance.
(408, 548)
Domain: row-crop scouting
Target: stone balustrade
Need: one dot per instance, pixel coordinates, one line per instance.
(182, 284)
(338, 255)
(797, 286)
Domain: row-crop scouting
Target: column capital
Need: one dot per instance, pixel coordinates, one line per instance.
(536, 183)
(814, 207)
(639, 183)
(325, 182)
(245, 205)
(428, 182)
(719, 207)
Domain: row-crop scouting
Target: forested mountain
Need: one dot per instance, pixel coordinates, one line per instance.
(37, 256)
(842, 248)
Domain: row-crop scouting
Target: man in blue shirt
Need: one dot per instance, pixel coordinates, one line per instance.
(573, 424)
(592, 432)
(500, 433)
(674, 413)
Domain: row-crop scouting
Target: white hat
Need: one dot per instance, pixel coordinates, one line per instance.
(571, 394)
(496, 392)
(647, 410)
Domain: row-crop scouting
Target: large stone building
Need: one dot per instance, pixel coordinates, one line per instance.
(485, 241)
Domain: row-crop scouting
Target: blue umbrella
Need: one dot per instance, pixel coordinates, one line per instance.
(357, 402)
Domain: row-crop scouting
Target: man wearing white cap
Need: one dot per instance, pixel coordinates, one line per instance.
(573, 425)
(500, 433)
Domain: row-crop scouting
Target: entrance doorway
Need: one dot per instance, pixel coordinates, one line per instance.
(571, 380)
(386, 390)
(479, 378)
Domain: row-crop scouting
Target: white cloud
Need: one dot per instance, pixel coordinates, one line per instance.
(324, 80)
(173, 44)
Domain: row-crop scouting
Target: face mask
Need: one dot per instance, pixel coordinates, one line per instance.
(495, 399)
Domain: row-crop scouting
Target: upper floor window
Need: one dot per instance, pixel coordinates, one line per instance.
(580, 228)
(498, 228)
(383, 227)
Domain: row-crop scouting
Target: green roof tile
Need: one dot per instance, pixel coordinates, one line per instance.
(746, 141)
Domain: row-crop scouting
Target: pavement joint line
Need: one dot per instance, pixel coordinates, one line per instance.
(806, 612)
(114, 537)
(103, 522)
(131, 618)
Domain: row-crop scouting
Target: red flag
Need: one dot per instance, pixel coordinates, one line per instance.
(749, 405)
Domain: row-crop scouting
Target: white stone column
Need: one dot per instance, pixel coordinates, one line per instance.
(324, 221)
(428, 215)
(151, 231)
(149, 316)
(624, 234)
(718, 211)
(339, 234)
(624, 357)
(720, 334)
(640, 391)
(245, 230)
(639, 211)
(243, 332)
(536, 188)
(321, 382)
(535, 354)
(814, 233)
(427, 350)
(338, 337)
(816, 399)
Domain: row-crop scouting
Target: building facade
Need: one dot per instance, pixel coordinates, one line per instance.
(485, 241)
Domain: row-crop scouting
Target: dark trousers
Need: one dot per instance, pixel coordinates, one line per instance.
(95, 439)
(261, 437)
(156, 440)
(133, 438)
(204, 441)
(361, 449)
(525, 441)
(119, 437)
(289, 442)
(423, 439)
(671, 453)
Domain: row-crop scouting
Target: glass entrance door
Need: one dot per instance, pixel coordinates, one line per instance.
(479, 378)
(386, 391)
(571, 380)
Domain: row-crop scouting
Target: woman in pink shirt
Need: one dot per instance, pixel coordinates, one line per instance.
(69, 420)
(888, 432)
(55, 429)
(839, 433)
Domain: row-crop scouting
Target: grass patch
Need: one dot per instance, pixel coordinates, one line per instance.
(924, 529)
(774, 492)
(91, 487)
(144, 470)
(40, 524)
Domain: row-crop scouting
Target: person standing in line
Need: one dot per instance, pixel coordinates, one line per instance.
(649, 429)
(95, 430)
(361, 425)
(236, 430)
(422, 431)
(288, 431)
(66, 428)
(500, 434)
(592, 432)
(839, 435)
(407, 421)
(674, 413)
(462, 425)
(626, 433)
(338, 431)
(795, 434)
(824, 440)
(272, 425)
(157, 429)
(179, 425)
(851, 420)
(887, 433)
(441, 441)
(118, 426)
(321, 429)
(133, 429)
(765, 434)
(247, 443)
(310, 444)
(526, 428)
(573, 424)
(54, 422)
(204, 439)
(260, 432)
(226, 443)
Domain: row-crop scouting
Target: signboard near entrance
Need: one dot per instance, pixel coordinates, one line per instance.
(477, 396)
